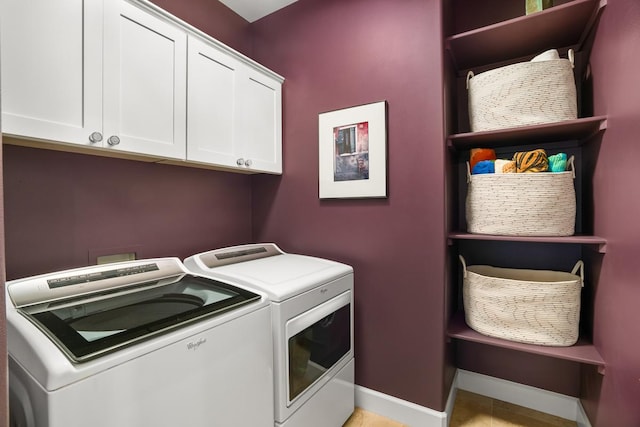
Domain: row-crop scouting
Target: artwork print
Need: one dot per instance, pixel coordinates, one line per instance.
(352, 148)
(351, 152)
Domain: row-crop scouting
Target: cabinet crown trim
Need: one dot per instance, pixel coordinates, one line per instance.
(190, 28)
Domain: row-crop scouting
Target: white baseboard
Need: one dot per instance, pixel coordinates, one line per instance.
(399, 410)
(414, 415)
(582, 420)
(538, 399)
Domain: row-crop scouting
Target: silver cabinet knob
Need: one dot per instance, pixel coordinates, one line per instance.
(95, 137)
(247, 162)
(113, 140)
(240, 161)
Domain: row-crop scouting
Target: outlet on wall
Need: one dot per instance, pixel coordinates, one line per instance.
(106, 259)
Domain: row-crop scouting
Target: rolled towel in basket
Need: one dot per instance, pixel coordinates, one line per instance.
(548, 55)
(531, 161)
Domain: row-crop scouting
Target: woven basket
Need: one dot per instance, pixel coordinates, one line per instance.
(521, 94)
(529, 306)
(522, 204)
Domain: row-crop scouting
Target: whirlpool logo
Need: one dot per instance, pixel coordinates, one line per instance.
(194, 345)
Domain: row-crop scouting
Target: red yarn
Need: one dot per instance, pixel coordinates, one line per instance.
(479, 154)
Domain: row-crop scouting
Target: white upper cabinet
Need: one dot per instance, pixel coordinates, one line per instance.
(114, 74)
(260, 121)
(63, 81)
(234, 112)
(211, 101)
(51, 60)
(145, 83)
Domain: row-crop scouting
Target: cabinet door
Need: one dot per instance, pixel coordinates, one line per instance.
(260, 121)
(211, 100)
(51, 68)
(144, 82)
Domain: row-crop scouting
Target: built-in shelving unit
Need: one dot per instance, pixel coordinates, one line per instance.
(580, 129)
(599, 243)
(583, 351)
(564, 26)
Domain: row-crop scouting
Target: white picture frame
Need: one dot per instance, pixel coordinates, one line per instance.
(352, 148)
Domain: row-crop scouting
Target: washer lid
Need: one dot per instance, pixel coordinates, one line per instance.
(277, 274)
(87, 325)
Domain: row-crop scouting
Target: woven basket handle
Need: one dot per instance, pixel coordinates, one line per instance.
(470, 75)
(572, 57)
(579, 266)
(464, 266)
(571, 163)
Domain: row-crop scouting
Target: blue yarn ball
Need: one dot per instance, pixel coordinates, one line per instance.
(558, 162)
(484, 166)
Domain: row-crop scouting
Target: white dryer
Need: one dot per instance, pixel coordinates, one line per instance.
(142, 343)
(312, 303)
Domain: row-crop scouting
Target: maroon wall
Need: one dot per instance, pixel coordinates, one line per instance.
(63, 209)
(615, 63)
(335, 54)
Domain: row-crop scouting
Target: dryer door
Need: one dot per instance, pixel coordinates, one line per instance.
(316, 341)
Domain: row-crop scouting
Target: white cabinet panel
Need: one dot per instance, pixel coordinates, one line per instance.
(211, 105)
(261, 122)
(51, 61)
(145, 82)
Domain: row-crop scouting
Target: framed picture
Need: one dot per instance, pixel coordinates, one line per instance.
(353, 152)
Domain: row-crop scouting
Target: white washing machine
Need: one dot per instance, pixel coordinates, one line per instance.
(142, 343)
(312, 303)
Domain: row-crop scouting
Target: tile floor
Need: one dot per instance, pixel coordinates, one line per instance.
(362, 418)
(473, 410)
